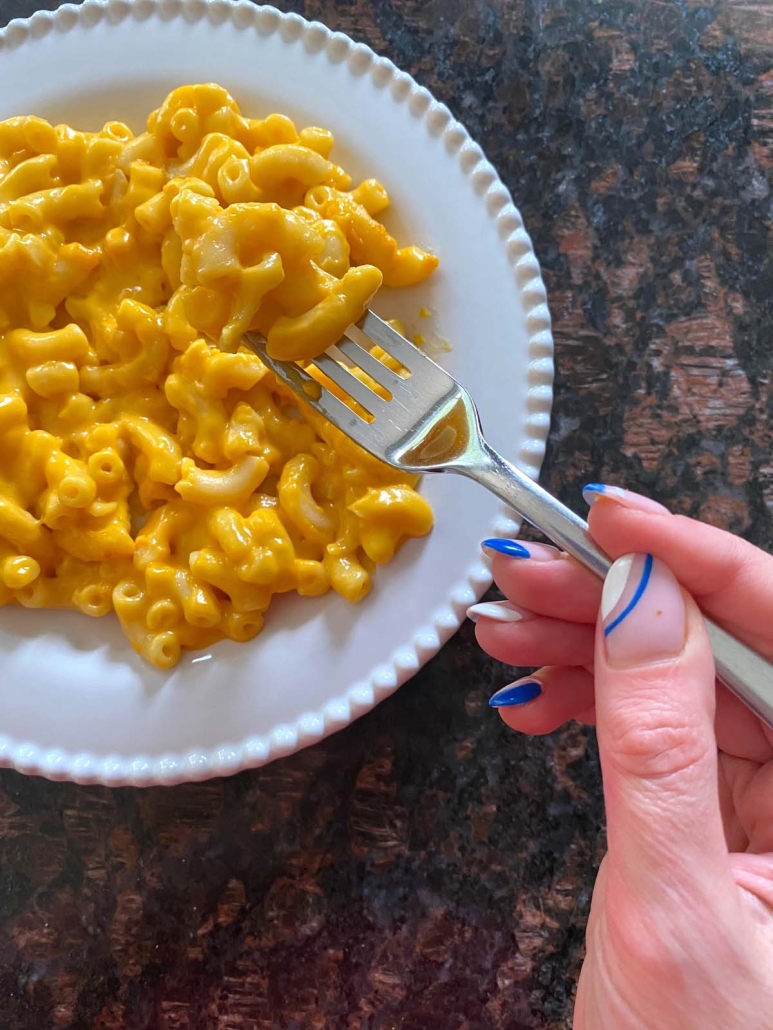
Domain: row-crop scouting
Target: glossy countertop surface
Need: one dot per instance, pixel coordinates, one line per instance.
(425, 868)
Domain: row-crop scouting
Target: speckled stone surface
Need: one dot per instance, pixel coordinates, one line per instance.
(424, 869)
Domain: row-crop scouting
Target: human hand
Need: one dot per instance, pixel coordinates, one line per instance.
(680, 933)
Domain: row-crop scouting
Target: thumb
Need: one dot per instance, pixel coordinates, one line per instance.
(655, 697)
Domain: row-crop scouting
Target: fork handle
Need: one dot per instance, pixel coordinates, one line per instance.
(747, 674)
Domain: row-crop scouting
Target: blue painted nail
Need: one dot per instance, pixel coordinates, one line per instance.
(509, 547)
(593, 491)
(634, 502)
(516, 694)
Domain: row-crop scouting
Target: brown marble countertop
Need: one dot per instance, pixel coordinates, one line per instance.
(424, 868)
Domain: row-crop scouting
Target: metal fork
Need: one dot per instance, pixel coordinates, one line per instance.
(430, 424)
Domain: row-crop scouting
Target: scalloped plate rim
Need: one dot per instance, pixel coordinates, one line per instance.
(284, 739)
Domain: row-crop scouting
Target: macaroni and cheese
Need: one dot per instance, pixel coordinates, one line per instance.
(149, 463)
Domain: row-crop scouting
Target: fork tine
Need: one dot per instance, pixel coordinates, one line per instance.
(342, 377)
(315, 395)
(376, 369)
(395, 422)
(407, 353)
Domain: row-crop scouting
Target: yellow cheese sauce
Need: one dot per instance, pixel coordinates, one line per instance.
(149, 463)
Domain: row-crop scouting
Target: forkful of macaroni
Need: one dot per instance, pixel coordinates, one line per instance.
(409, 413)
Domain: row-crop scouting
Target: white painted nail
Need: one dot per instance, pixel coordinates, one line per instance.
(614, 584)
(499, 611)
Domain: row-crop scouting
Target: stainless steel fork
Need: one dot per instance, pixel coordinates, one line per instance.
(430, 424)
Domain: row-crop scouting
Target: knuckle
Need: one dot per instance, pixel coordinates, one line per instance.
(651, 946)
(646, 948)
(653, 742)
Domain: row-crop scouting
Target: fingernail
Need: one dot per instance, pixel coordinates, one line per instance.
(594, 492)
(499, 611)
(515, 549)
(643, 613)
(516, 694)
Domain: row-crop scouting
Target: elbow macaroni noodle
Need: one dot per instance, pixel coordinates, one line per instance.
(149, 463)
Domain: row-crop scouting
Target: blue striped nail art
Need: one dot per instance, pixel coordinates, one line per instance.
(516, 694)
(509, 547)
(645, 578)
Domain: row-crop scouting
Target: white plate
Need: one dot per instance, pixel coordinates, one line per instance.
(75, 701)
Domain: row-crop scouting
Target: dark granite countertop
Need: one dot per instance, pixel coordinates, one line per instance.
(426, 869)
